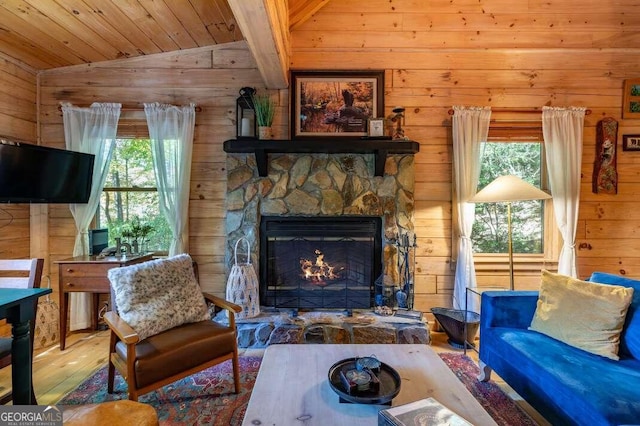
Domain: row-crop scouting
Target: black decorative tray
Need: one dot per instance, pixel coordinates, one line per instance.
(389, 384)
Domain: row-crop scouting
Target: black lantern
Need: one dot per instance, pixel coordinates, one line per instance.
(245, 114)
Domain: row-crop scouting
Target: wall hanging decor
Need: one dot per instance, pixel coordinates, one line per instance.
(631, 99)
(605, 174)
(246, 114)
(335, 103)
(631, 142)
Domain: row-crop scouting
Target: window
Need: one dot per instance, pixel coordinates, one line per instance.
(490, 229)
(514, 147)
(129, 205)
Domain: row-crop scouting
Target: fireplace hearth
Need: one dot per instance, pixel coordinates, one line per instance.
(320, 262)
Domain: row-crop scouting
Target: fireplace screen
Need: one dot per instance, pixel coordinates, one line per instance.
(319, 262)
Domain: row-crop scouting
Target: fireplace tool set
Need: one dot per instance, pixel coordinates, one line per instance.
(401, 295)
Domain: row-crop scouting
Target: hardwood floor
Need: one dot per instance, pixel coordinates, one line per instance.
(56, 372)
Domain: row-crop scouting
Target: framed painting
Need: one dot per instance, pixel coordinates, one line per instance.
(631, 142)
(631, 99)
(335, 103)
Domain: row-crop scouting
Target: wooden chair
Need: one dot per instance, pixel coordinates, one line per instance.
(171, 355)
(18, 273)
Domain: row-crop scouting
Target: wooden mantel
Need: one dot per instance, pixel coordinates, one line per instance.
(380, 148)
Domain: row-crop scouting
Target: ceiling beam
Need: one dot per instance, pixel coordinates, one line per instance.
(301, 10)
(265, 26)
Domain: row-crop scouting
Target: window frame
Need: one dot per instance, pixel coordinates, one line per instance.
(517, 131)
(130, 129)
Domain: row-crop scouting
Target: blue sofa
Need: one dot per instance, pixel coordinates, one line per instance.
(568, 386)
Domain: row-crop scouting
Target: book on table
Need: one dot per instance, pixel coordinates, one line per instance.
(422, 412)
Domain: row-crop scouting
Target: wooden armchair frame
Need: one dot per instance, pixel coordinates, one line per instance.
(123, 332)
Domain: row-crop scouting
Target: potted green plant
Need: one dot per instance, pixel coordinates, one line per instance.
(136, 232)
(265, 108)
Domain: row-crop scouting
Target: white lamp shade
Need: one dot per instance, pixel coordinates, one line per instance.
(508, 188)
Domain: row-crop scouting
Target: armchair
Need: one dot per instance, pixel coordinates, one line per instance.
(148, 363)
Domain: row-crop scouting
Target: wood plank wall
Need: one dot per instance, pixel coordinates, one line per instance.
(17, 121)
(501, 53)
(435, 54)
(211, 78)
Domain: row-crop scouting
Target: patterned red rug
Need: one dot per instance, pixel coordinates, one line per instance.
(499, 406)
(207, 398)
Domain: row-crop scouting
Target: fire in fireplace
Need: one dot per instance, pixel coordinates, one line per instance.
(319, 262)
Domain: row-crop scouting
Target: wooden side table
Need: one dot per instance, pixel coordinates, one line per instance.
(87, 274)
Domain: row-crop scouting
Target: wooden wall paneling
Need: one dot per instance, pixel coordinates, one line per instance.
(204, 227)
(433, 191)
(34, 41)
(18, 47)
(434, 266)
(465, 39)
(75, 29)
(465, 59)
(432, 96)
(118, 19)
(532, 54)
(460, 53)
(153, 77)
(219, 20)
(194, 78)
(205, 190)
(17, 120)
(179, 22)
(17, 127)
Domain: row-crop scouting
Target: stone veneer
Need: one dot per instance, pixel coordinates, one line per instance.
(325, 185)
(327, 327)
(318, 184)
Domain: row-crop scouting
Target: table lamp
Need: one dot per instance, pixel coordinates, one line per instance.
(507, 189)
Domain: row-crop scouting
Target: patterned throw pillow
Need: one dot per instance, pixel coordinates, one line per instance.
(158, 295)
(582, 314)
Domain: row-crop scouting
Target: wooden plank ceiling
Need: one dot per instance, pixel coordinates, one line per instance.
(46, 34)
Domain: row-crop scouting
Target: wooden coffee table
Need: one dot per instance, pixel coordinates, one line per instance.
(292, 386)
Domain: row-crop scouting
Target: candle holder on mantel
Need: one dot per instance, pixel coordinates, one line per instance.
(246, 114)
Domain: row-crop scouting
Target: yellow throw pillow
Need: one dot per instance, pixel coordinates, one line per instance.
(587, 315)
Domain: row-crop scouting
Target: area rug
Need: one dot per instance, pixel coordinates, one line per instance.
(499, 406)
(207, 398)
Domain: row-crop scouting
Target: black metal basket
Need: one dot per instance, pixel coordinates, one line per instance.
(453, 322)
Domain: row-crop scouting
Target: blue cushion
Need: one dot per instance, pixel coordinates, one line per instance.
(630, 337)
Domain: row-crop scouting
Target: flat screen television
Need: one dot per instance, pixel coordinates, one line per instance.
(37, 174)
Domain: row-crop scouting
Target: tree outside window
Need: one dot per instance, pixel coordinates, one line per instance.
(129, 205)
(490, 231)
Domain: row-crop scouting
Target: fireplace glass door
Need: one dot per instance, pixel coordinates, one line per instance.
(319, 262)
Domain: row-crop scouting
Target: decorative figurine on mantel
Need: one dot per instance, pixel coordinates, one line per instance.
(398, 118)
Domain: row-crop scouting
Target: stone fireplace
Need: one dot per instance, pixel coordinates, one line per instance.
(312, 191)
(319, 185)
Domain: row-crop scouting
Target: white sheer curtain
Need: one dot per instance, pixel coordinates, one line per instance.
(470, 129)
(171, 132)
(91, 130)
(562, 129)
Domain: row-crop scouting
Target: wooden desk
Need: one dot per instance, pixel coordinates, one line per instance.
(17, 305)
(87, 274)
